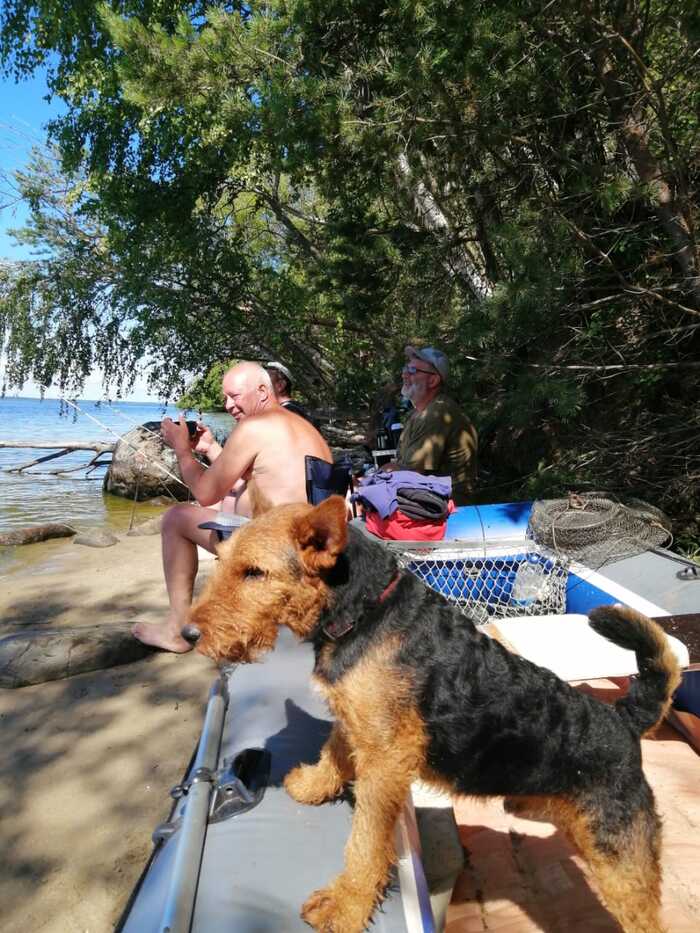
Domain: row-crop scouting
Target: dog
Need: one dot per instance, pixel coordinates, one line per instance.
(418, 692)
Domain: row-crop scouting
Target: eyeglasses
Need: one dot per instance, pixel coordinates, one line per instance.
(412, 370)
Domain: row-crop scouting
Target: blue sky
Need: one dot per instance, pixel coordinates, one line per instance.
(24, 114)
(23, 117)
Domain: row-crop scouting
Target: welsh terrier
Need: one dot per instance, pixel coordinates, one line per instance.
(418, 692)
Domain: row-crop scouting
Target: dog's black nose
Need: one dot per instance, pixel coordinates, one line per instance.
(191, 634)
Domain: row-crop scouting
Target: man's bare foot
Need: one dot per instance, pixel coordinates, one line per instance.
(161, 635)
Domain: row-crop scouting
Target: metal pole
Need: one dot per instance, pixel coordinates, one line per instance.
(180, 900)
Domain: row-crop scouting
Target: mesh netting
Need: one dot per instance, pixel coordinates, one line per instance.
(596, 530)
(484, 586)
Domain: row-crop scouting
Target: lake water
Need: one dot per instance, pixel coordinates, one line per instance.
(34, 497)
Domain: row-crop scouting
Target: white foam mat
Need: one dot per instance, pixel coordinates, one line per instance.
(567, 645)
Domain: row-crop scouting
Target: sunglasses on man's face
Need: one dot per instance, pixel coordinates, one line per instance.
(412, 370)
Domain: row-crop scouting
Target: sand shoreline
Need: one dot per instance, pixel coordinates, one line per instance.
(91, 758)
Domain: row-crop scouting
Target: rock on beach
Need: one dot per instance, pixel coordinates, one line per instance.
(96, 537)
(38, 655)
(36, 533)
(150, 527)
(143, 467)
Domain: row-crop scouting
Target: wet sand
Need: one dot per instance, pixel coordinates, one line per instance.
(89, 760)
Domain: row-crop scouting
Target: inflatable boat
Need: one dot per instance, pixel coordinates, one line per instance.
(238, 855)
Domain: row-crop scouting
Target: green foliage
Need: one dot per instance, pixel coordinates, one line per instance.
(325, 182)
(205, 394)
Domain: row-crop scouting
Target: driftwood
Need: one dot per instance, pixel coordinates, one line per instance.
(60, 448)
(98, 446)
(39, 655)
(341, 437)
(36, 533)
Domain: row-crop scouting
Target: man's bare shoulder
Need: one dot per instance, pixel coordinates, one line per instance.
(278, 430)
(263, 426)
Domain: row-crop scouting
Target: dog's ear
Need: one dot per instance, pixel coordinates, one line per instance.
(322, 534)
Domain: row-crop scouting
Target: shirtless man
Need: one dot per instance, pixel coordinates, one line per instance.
(260, 465)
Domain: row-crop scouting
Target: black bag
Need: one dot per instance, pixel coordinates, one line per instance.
(422, 504)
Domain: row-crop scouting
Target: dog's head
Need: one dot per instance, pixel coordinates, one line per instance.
(270, 573)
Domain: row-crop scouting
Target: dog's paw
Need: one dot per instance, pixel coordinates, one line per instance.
(336, 909)
(311, 784)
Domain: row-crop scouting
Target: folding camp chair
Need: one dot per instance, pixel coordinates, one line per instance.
(325, 479)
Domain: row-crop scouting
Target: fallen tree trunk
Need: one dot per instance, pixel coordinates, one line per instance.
(36, 533)
(60, 450)
(38, 655)
(341, 437)
(98, 446)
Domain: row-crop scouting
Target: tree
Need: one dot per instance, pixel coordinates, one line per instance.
(513, 180)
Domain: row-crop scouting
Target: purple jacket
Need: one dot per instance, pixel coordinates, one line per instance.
(379, 490)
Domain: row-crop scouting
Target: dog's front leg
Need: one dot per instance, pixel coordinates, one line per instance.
(314, 784)
(346, 905)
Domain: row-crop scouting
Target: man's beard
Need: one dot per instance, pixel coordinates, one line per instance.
(409, 392)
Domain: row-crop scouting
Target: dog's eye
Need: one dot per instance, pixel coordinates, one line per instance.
(253, 572)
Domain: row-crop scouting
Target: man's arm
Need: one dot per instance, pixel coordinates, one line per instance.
(205, 443)
(211, 485)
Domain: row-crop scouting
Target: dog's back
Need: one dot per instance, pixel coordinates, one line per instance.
(496, 723)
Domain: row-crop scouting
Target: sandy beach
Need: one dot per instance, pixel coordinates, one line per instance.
(90, 759)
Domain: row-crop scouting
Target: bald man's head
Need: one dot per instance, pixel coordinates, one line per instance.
(247, 390)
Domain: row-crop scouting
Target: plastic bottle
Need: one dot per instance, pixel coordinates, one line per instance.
(530, 582)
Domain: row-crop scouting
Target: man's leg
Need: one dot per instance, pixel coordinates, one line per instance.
(180, 537)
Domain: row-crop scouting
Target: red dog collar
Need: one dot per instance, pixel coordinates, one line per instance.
(336, 630)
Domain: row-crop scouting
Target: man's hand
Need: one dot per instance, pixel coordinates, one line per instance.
(390, 467)
(175, 434)
(204, 442)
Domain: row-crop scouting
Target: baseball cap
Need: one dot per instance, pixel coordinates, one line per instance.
(435, 358)
(278, 366)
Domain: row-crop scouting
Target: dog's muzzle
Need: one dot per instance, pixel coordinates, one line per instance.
(191, 634)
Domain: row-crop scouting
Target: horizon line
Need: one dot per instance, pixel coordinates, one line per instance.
(80, 398)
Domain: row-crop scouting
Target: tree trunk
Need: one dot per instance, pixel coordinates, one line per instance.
(433, 219)
(36, 533)
(632, 120)
(38, 655)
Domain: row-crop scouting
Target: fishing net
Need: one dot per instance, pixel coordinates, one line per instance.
(490, 580)
(596, 530)
(520, 580)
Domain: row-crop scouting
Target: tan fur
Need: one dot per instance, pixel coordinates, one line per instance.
(666, 661)
(373, 704)
(628, 879)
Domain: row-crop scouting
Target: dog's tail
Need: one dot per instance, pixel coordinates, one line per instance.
(650, 693)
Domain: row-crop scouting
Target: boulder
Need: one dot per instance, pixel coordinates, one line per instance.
(95, 537)
(143, 467)
(149, 527)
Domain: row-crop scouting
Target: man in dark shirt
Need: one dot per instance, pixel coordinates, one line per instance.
(438, 437)
(282, 384)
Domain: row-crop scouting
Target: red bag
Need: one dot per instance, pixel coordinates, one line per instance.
(399, 527)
